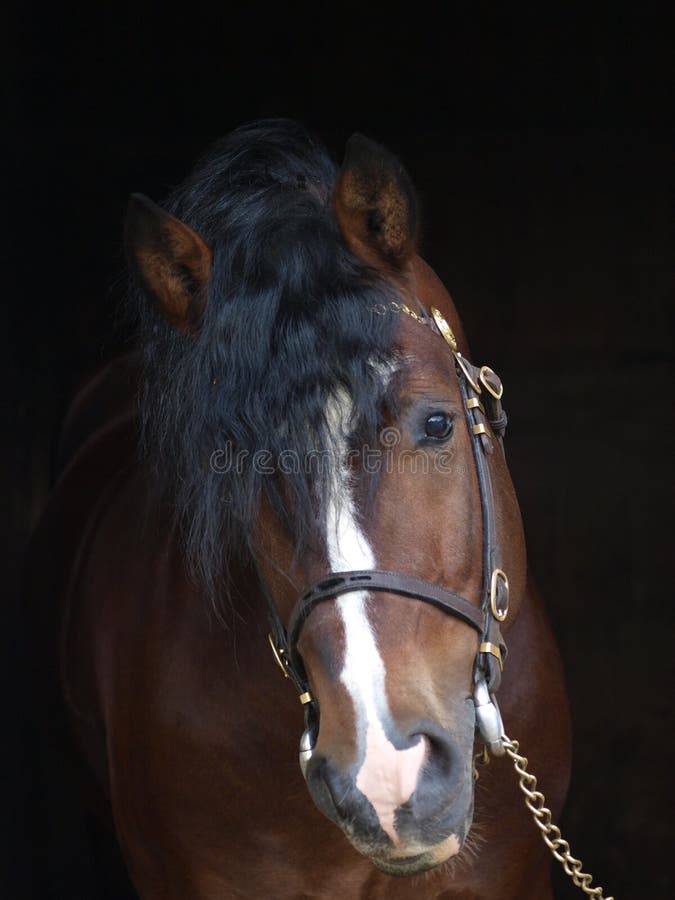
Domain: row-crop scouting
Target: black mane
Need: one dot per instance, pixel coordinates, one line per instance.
(288, 324)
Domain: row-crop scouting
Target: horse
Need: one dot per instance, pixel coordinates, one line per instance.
(299, 469)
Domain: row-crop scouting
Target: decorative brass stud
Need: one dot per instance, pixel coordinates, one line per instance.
(445, 330)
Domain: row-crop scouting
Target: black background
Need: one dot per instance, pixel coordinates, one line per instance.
(541, 146)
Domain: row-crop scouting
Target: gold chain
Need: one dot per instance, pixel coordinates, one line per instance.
(383, 308)
(535, 802)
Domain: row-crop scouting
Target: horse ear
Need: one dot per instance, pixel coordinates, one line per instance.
(376, 204)
(172, 262)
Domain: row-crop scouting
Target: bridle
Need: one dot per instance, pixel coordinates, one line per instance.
(481, 392)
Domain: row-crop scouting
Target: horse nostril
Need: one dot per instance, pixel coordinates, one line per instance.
(336, 795)
(444, 778)
(328, 785)
(440, 755)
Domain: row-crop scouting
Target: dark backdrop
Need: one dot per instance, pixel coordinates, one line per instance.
(541, 149)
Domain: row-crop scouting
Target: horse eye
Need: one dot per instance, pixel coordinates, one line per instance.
(438, 426)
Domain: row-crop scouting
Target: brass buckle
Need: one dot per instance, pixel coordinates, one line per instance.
(277, 651)
(445, 330)
(499, 614)
(486, 384)
(464, 366)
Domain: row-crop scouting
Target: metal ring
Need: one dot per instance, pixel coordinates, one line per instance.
(499, 614)
(486, 384)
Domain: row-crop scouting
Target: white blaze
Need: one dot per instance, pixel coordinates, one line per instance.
(387, 776)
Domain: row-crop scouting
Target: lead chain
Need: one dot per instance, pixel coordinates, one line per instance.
(535, 802)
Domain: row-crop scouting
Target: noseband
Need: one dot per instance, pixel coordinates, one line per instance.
(481, 391)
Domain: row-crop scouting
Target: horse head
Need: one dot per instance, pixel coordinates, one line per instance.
(390, 603)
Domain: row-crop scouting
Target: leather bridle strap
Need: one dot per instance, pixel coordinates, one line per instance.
(376, 580)
(488, 661)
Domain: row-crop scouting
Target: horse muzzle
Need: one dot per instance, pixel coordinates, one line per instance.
(408, 812)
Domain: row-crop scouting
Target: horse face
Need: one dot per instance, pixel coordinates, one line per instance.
(392, 763)
(393, 675)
